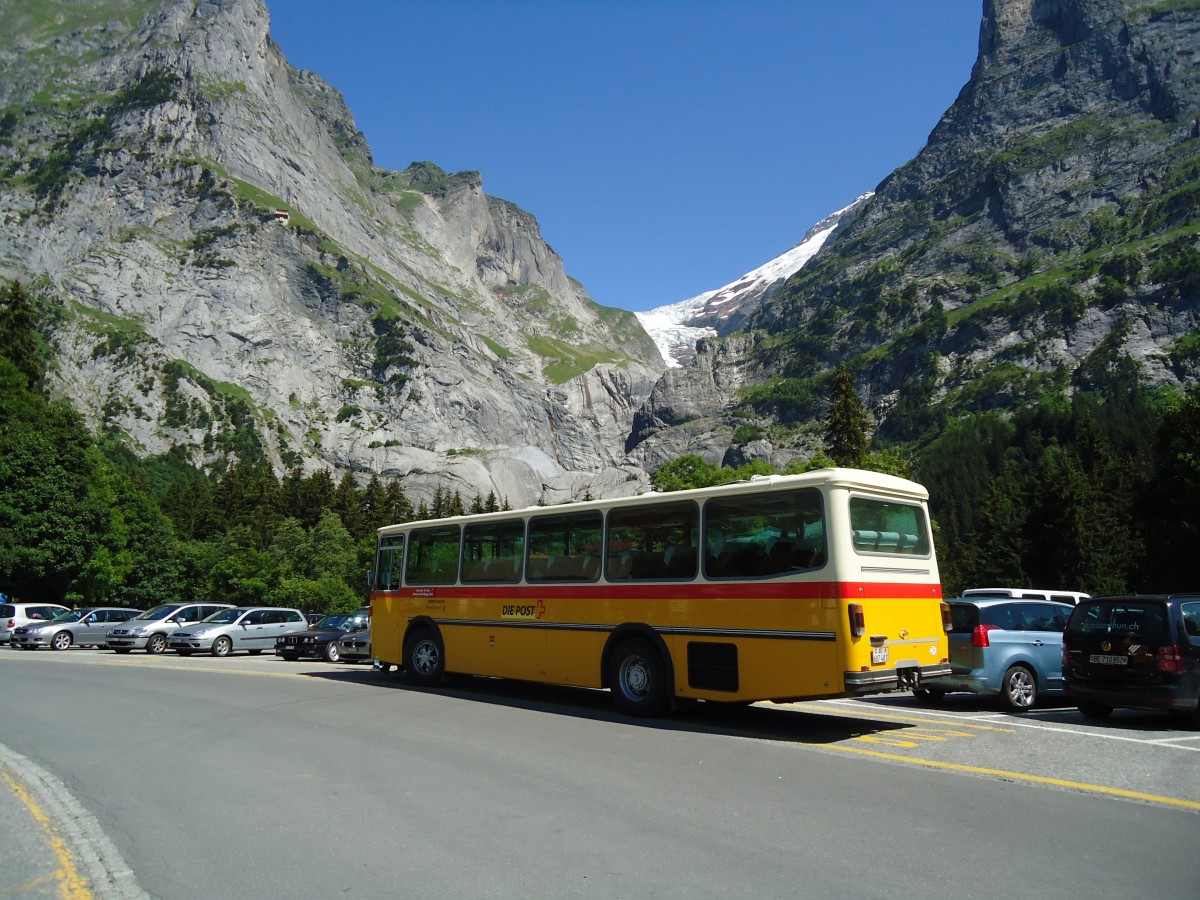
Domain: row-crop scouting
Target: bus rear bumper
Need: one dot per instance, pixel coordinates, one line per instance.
(901, 678)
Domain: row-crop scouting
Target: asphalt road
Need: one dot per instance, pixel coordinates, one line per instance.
(250, 776)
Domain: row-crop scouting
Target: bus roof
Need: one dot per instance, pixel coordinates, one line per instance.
(838, 477)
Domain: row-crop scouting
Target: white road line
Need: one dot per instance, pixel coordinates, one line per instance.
(1057, 729)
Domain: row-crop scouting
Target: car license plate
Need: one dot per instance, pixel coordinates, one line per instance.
(1101, 659)
(879, 655)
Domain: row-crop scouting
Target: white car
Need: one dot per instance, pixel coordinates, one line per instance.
(14, 615)
(84, 627)
(250, 628)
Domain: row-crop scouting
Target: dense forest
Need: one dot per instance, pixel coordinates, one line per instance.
(1095, 491)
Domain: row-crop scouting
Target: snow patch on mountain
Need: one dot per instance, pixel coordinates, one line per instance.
(676, 327)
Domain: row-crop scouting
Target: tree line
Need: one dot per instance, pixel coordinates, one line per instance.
(1097, 491)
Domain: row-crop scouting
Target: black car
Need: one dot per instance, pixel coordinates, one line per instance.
(1136, 652)
(320, 641)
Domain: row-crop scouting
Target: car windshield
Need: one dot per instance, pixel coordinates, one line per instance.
(226, 616)
(340, 621)
(159, 612)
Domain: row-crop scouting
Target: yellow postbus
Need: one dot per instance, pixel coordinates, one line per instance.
(781, 588)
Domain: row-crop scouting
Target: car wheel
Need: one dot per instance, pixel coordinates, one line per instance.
(61, 641)
(222, 646)
(929, 695)
(1095, 710)
(156, 644)
(331, 652)
(1018, 691)
(424, 658)
(638, 679)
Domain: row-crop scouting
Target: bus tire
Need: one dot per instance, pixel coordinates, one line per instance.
(638, 679)
(424, 657)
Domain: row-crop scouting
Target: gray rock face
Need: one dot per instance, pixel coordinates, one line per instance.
(996, 255)
(235, 271)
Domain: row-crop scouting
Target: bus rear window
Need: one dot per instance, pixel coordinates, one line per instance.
(889, 527)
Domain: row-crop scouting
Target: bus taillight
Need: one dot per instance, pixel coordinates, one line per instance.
(947, 622)
(858, 620)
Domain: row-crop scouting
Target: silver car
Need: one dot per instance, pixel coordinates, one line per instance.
(14, 615)
(85, 627)
(250, 628)
(150, 630)
(355, 646)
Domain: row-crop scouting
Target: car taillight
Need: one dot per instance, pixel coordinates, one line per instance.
(858, 620)
(947, 622)
(979, 636)
(1168, 659)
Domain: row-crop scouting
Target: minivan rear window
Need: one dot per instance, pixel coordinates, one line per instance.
(1120, 618)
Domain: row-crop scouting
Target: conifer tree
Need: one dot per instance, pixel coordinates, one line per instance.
(18, 332)
(847, 423)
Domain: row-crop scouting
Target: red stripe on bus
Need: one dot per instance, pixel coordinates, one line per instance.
(805, 590)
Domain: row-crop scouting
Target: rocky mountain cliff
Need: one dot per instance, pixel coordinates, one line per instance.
(236, 276)
(1045, 237)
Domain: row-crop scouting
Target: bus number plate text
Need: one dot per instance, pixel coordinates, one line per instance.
(879, 655)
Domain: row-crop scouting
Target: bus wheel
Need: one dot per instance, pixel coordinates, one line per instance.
(423, 657)
(638, 679)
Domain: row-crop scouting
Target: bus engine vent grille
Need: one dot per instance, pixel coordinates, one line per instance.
(712, 666)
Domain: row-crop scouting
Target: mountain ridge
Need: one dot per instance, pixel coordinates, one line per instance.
(214, 214)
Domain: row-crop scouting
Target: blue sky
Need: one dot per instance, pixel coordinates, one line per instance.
(666, 147)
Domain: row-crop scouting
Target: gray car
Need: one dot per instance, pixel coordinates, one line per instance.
(250, 628)
(84, 627)
(150, 630)
(1003, 647)
(14, 615)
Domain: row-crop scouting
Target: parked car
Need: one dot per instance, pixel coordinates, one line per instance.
(1136, 652)
(150, 630)
(355, 646)
(250, 628)
(1007, 648)
(85, 627)
(14, 615)
(319, 641)
(1071, 597)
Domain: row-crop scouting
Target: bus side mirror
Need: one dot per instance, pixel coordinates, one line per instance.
(370, 578)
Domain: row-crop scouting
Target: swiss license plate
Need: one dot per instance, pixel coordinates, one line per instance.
(1101, 659)
(879, 655)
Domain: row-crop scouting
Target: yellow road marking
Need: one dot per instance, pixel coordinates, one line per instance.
(825, 711)
(71, 885)
(1022, 776)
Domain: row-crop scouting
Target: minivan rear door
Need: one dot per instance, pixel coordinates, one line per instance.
(1115, 641)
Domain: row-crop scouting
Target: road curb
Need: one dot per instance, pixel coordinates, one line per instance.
(43, 803)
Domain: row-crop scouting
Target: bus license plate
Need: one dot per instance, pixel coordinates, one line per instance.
(879, 655)
(1101, 659)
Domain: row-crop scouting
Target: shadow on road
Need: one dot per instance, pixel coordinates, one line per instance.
(762, 722)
